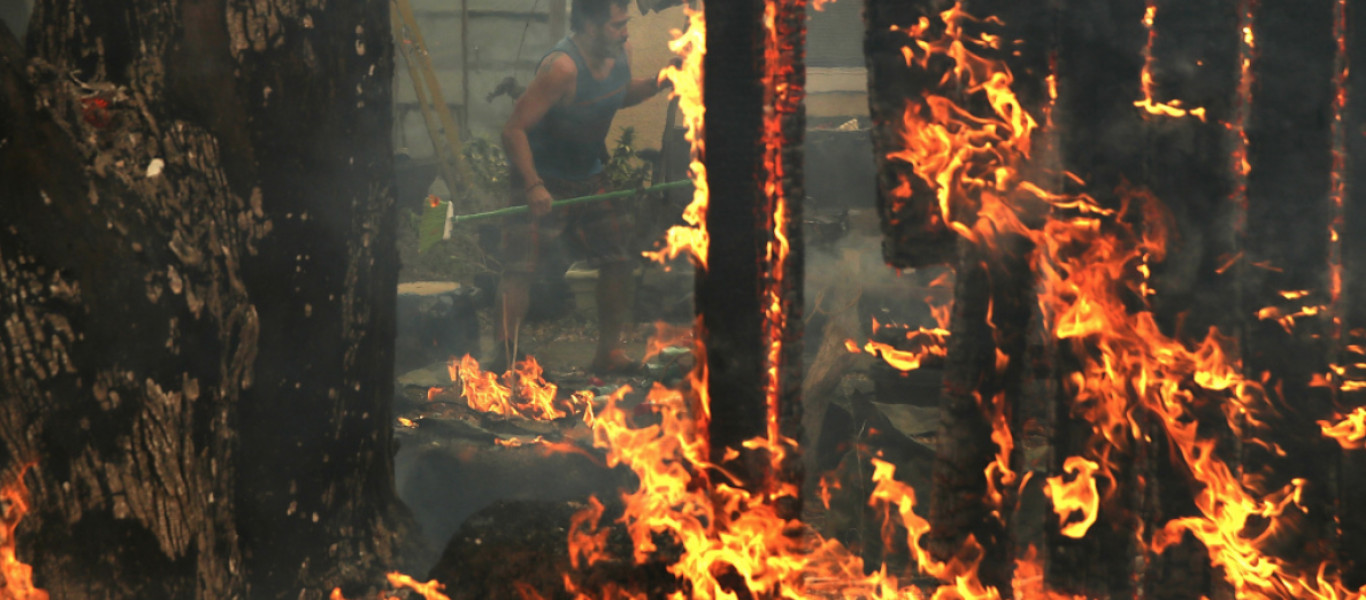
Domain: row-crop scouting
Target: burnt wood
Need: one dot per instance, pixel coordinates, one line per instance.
(1288, 218)
(199, 214)
(1351, 469)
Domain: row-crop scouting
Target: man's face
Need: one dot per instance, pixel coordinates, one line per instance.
(611, 36)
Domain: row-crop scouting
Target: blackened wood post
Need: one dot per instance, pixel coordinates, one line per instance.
(199, 256)
(1351, 493)
(1289, 215)
(1193, 55)
(993, 296)
(1099, 70)
(728, 289)
(783, 267)
(752, 386)
(914, 233)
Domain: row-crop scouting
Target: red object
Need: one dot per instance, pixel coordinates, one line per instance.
(96, 112)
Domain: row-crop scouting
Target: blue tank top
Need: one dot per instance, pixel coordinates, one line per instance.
(570, 140)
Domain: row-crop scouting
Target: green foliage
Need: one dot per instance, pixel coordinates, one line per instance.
(488, 165)
(625, 169)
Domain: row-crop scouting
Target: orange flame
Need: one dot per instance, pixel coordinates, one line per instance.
(18, 576)
(1349, 430)
(522, 392)
(1078, 496)
(667, 336)
(1148, 104)
(690, 239)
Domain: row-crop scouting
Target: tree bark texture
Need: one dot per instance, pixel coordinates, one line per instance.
(728, 290)
(198, 254)
(913, 230)
(1289, 214)
(749, 282)
(1351, 469)
(1271, 225)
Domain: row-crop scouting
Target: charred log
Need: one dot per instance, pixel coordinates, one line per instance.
(744, 223)
(1351, 470)
(914, 232)
(1291, 182)
(728, 291)
(229, 423)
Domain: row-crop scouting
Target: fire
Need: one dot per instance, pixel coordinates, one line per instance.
(928, 343)
(430, 590)
(784, 93)
(686, 78)
(923, 343)
(1153, 107)
(1076, 496)
(1091, 263)
(522, 392)
(1349, 430)
(667, 336)
(18, 576)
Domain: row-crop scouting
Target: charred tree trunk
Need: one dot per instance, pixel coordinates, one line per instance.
(199, 244)
(1287, 245)
(728, 290)
(1192, 54)
(1351, 470)
(749, 295)
(914, 232)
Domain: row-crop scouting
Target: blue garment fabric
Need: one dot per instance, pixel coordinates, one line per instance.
(571, 139)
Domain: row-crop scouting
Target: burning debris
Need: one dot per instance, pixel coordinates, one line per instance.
(972, 147)
(1078, 423)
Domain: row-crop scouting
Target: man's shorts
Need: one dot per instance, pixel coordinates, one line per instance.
(599, 233)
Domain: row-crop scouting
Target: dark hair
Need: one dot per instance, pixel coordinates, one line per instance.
(597, 11)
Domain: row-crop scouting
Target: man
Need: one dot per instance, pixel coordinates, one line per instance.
(556, 144)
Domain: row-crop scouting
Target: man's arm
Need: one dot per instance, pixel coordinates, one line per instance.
(640, 90)
(554, 81)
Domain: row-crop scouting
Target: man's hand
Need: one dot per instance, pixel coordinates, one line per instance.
(539, 199)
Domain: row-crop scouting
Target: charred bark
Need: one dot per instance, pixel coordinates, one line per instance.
(1351, 469)
(742, 223)
(1193, 56)
(199, 237)
(1289, 215)
(914, 232)
(1099, 67)
(729, 288)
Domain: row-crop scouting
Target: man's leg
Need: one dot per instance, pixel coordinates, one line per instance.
(514, 297)
(613, 311)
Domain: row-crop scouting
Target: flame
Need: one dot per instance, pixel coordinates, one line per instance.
(1076, 496)
(522, 392)
(1090, 261)
(931, 342)
(784, 92)
(430, 590)
(18, 576)
(1349, 430)
(922, 343)
(667, 336)
(686, 78)
(1148, 104)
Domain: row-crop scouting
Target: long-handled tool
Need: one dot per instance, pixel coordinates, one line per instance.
(516, 210)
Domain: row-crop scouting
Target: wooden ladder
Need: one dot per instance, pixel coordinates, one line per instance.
(441, 125)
